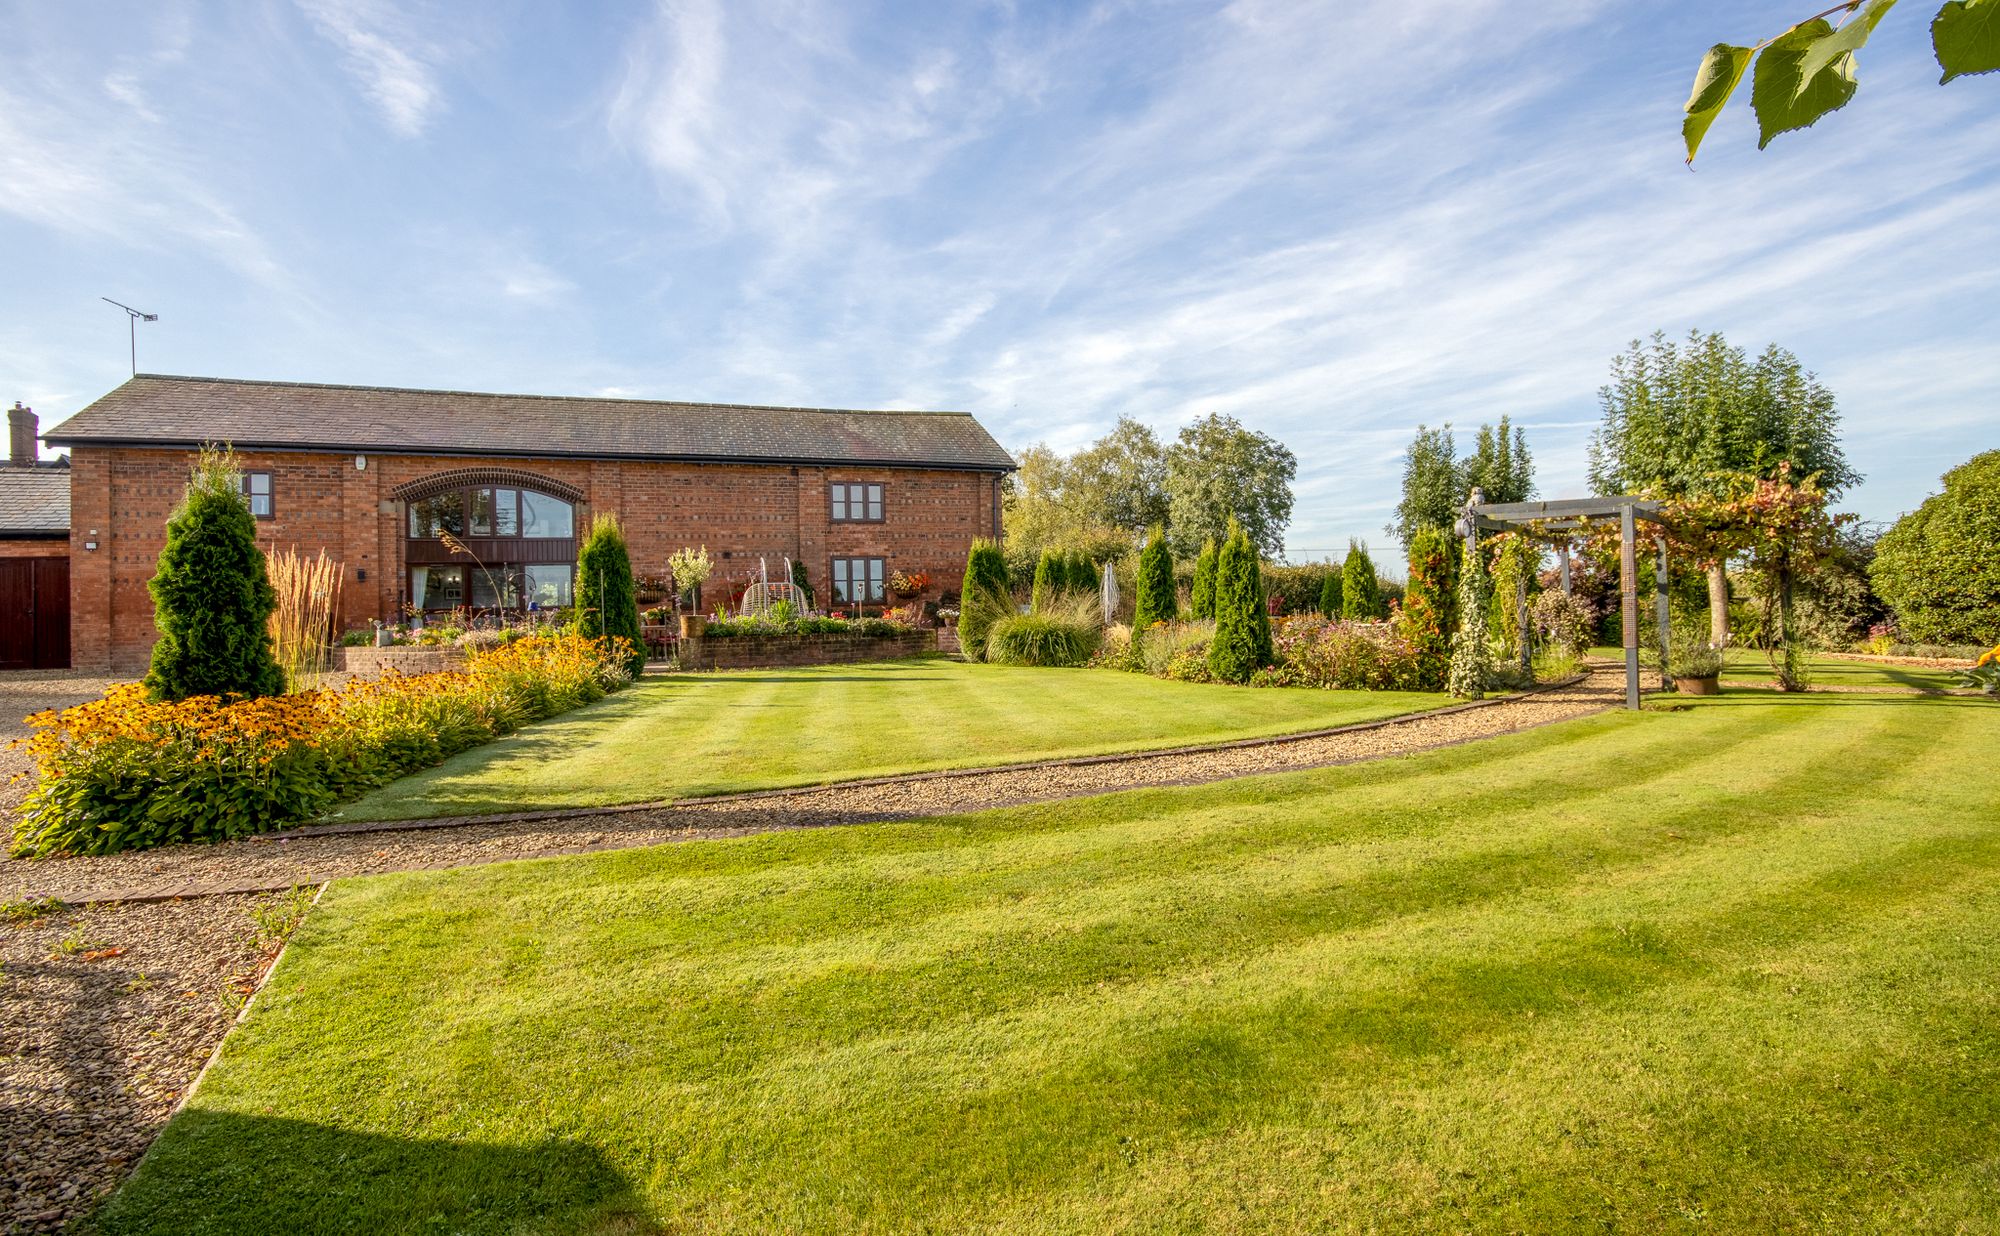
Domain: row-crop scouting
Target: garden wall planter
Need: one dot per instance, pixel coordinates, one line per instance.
(1711, 685)
(778, 651)
(404, 659)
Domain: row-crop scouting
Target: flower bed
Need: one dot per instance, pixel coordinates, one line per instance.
(741, 651)
(126, 772)
(1310, 651)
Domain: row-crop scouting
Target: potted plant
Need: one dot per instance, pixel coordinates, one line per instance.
(1693, 662)
(690, 567)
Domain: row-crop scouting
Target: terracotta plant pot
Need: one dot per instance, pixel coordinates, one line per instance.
(693, 626)
(1709, 685)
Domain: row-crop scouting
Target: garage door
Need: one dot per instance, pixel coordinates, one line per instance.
(34, 613)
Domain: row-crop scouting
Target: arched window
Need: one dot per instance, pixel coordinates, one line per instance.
(490, 540)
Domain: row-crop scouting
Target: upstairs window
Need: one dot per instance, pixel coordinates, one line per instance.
(494, 511)
(857, 503)
(256, 490)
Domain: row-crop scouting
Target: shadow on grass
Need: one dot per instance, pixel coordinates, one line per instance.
(225, 1172)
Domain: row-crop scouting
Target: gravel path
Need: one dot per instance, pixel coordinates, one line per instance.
(280, 860)
(107, 1014)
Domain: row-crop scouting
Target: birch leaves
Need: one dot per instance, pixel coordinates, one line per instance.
(1809, 70)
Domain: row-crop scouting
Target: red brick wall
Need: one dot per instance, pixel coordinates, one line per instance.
(120, 498)
(35, 547)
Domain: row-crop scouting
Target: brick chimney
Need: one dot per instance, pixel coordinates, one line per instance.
(21, 426)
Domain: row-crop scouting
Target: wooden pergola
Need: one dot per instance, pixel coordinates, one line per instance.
(1556, 523)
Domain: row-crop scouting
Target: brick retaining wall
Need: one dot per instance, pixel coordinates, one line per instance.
(367, 662)
(779, 651)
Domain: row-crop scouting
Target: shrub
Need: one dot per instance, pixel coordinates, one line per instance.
(1296, 588)
(1939, 566)
(1242, 643)
(212, 594)
(1513, 570)
(1690, 652)
(1360, 592)
(1314, 651)
(983, 597)
(1065, 631)
(1426, 617)
(1201, 596)
(126, 772)
(1984, 674)
(1563, 622)
(1051, 577)
(607, 604)
(1155, 600)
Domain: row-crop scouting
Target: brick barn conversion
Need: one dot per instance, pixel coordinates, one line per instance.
(376, 475)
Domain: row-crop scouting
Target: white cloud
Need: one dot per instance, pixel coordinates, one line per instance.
(395, 66)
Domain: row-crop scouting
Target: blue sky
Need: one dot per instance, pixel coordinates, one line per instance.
(1331, 221)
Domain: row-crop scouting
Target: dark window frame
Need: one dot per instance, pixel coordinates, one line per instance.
(840, 495)
(468, 502)
(247, 491)
(875, 579)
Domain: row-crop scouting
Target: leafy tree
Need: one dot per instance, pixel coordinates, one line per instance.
(1939, 566)
(1242, 643)
(1470, 664)
(1808, 69)
(212, 594)
(1201, 598)
(1153, 599)
(1516, 567)
(1436, 482)
(982, 597)
(1428, 619)
(1120, 480)
(607, 603)
(1360, 591)
(1329, 595)
(1692, 420)
(1218, 471)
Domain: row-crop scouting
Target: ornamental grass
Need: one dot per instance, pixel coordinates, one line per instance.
(126, 772)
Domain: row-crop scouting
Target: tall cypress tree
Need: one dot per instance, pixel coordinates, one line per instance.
(1242, 643)
(983, 597)
(1154, 600)
(1201, 601)
(607, 602)
(1470, 663)
(1051, 577)
(1360, 592)
(212, 594)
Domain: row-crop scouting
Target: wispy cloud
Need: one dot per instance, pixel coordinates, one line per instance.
(395, 67)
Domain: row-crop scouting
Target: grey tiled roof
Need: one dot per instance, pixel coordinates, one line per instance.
(153, 409)
(34, 501)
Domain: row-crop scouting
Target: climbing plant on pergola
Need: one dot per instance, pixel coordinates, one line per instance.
(1563, 522)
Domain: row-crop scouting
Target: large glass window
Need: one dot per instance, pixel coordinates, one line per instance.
(543, 516)
(856, 503)
(433, 517)
(857, 581)
(496, 587)
(437, 587)
(494, 513)
(548, 586)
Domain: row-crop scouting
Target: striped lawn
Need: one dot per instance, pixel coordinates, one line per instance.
(687, 734)
(1728, 967)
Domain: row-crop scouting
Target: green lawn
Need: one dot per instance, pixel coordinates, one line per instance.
(686, 734)
(1749, 667)
(1723, 968)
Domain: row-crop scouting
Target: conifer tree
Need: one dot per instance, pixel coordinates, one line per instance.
(983, 597)
(607, 602)
(1154, 600)
(212, 594)
(1360, 592)
(1051, 577)
(1242, 643)
(1201, 600)
(1329, 595)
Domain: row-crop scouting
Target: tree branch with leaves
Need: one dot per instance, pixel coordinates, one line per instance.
(1808, 70)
